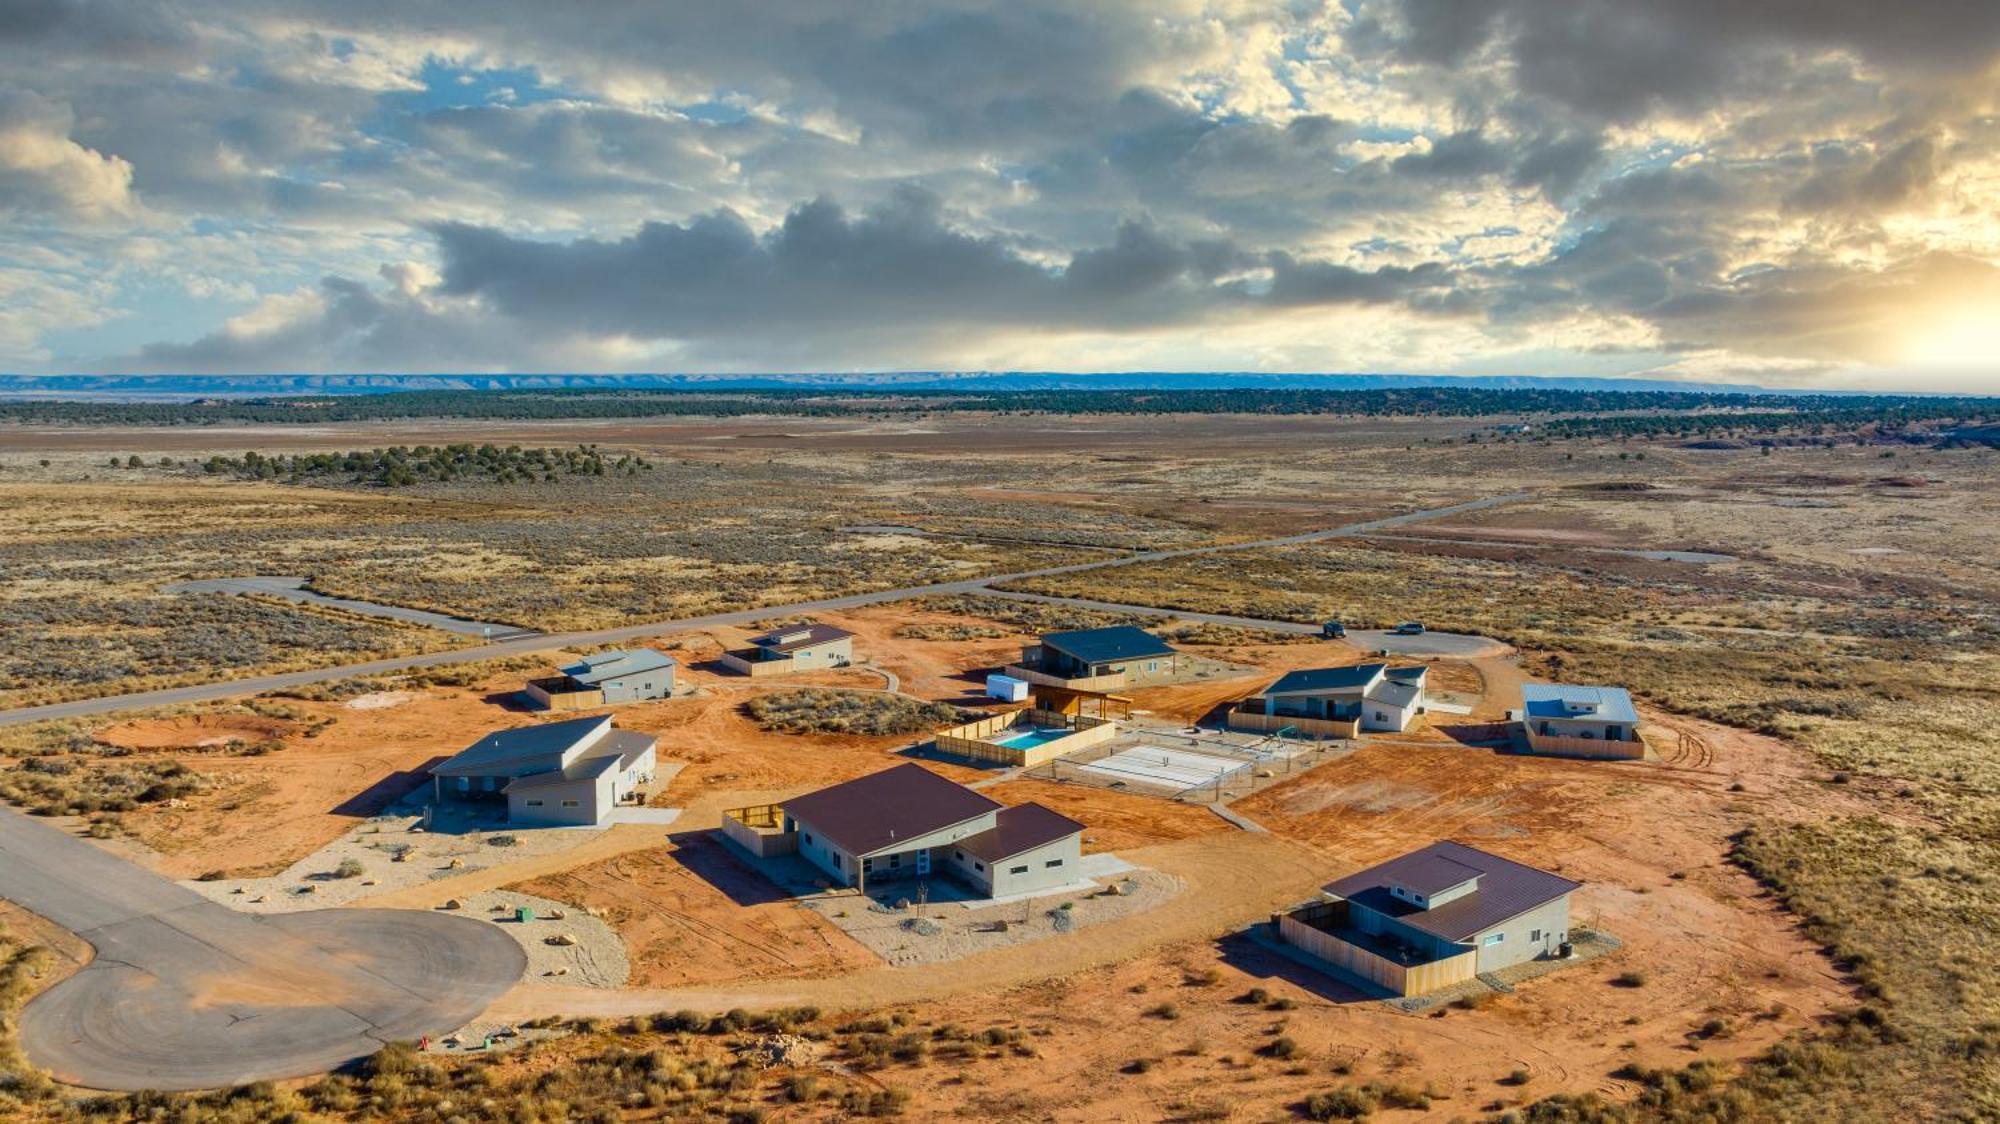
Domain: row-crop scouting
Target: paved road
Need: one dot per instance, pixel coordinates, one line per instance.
(188, 994)
(293, 589)
(230, 688)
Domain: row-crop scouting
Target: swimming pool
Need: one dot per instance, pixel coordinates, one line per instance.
(1032, 736)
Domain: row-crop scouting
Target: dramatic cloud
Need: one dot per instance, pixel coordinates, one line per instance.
(42, 170)
(1806, 189)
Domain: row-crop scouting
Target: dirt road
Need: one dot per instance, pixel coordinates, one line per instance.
(207, 691)
(1217, 899)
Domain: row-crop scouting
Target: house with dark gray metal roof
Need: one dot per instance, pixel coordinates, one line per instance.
(1570, 719)
(629, 675)
(1374, 696)
(573, 772)
(1436, 917)
(799, 647)
(1097, 659)
(909, 823)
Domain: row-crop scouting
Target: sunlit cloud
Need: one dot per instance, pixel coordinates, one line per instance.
(1720, 189)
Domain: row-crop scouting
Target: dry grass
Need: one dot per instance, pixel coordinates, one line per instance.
(63, 786)
(678, 1067)
(1894, 685)
(821, 710)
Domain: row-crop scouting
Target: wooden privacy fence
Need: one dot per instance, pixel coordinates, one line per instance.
(1258, 722)
(1601, 748)
(1302, 929)
(560, 693)
(1082, 683)
(745, 661)
(975, 740)
(759, 829)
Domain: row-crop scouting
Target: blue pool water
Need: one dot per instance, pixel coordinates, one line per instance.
(1038, 735)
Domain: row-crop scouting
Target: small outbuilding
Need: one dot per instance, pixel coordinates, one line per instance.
(628, 675)
(573, 772)
(1006, 688)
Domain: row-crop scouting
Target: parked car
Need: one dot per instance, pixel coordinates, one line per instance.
(1409, 628)
(1333, 630)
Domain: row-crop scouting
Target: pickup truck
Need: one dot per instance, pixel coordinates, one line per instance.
(1409, 628)
(1332, 630)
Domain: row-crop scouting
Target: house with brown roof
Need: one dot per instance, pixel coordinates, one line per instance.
(1434, 918)
(797, 647)
(908, 823)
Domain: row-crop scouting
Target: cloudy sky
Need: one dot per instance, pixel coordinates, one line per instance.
(1786, 191)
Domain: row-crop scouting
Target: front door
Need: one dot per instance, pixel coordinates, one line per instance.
(923, 862)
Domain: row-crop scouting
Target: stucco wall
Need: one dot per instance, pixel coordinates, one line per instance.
(655, 684)
(1521, 944)
(1008, 879)
(544, 805)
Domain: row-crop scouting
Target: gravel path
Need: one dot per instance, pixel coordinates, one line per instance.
(312, 882)
(948, 931)
(596, 959)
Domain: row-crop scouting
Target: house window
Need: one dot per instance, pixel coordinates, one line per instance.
(979, 866)
(569, 803)
(1053, 862)
(1017, 870)
(807, 837)
(1492, 939)
(867, 865)
(465, 784)
(959, 855)
(1534, 934)
(895, 861)
(534, 803)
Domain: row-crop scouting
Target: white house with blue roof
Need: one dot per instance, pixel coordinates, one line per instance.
(1374, 696)
(1576, 719)
(568, 773)
(625, 675)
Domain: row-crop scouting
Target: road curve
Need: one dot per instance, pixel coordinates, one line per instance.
(185, 993)
(294, 589)
(253, 685)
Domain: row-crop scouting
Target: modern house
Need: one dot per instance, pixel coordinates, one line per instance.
(1097, 659)
(1337, 701)
(909, 823)
(1578, 721)
(571, 772)
(799, 647)
(1434, 918)
(631, 675)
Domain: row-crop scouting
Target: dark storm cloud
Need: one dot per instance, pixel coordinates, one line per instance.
(824, 270)
(1617, 58)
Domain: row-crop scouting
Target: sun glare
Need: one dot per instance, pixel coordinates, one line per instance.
(1966, 340)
